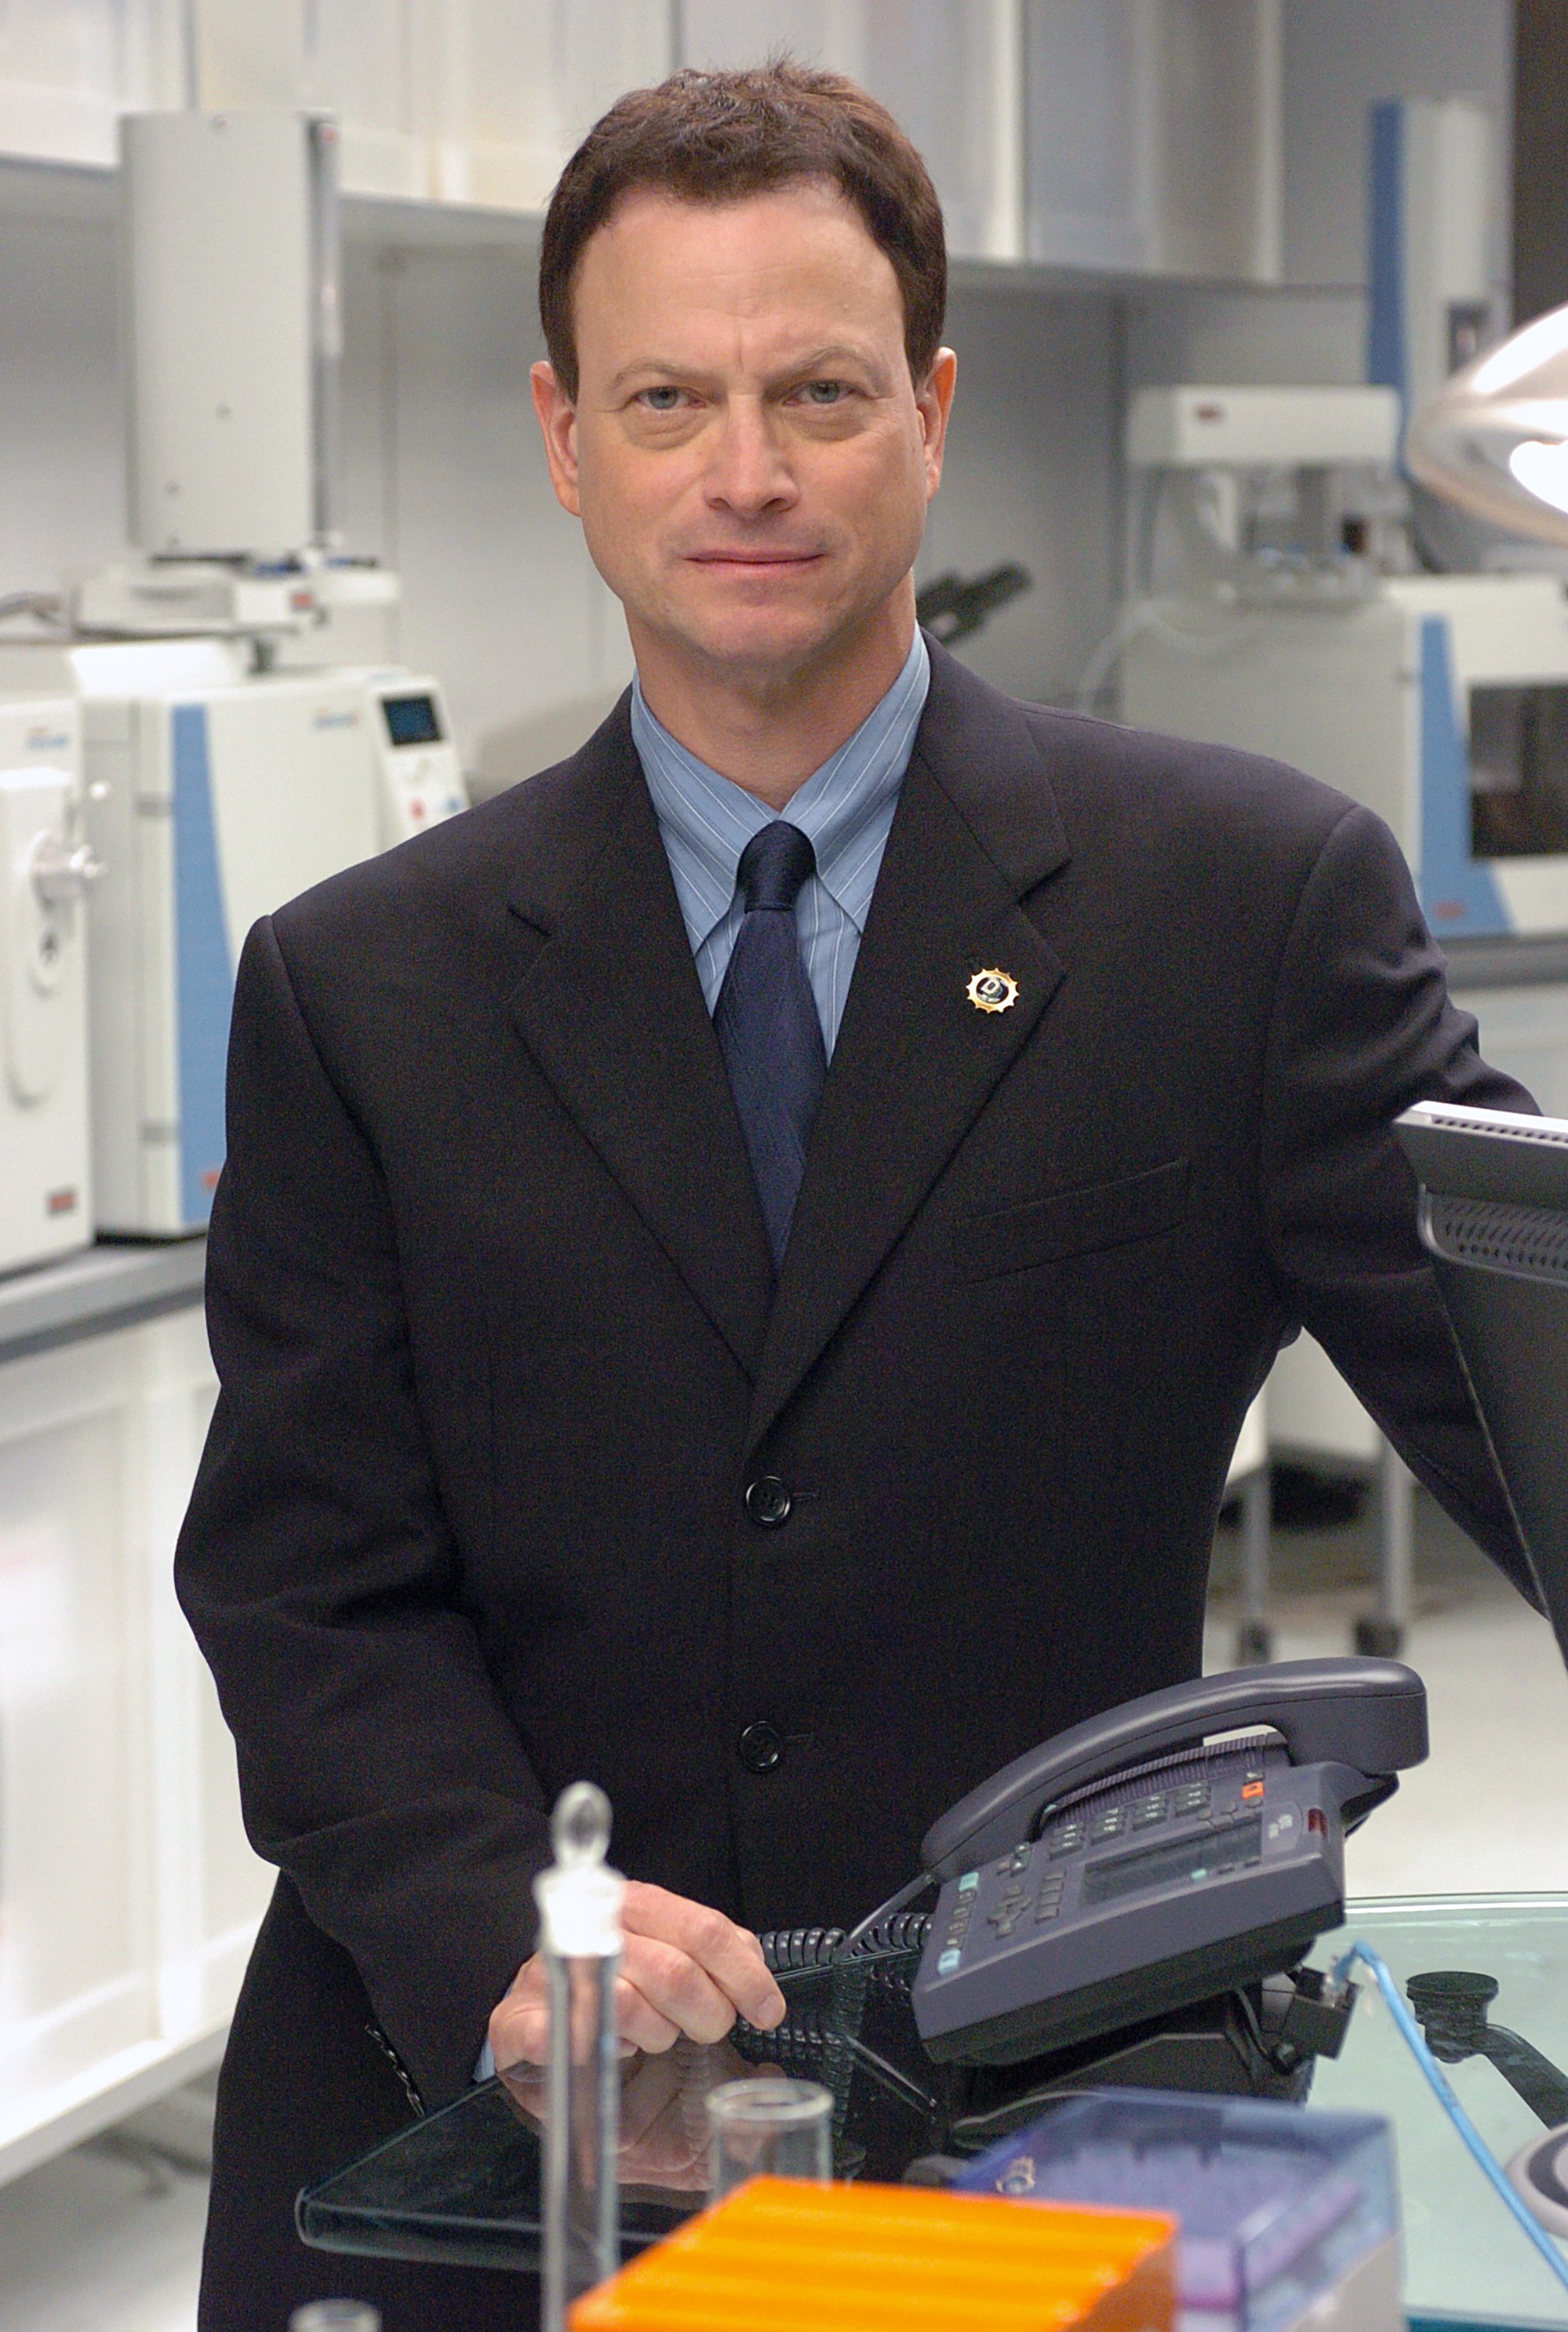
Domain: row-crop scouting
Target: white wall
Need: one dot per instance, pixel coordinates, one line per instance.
(443, 474)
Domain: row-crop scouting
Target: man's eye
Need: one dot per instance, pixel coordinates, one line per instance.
(825, 392)
(662, 400)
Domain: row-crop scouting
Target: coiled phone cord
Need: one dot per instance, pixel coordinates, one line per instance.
(1415, 2041)
(789, 1949)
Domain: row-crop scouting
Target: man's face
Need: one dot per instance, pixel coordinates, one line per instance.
(750, 458)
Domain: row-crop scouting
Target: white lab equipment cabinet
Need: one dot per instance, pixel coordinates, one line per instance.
(129, 1896)
(46, 871)
(217, 795)
(230, 337)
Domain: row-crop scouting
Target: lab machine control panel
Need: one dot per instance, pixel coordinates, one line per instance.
(421, 782)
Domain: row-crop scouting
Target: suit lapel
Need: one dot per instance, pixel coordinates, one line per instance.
(977, 827)
(611, 1009)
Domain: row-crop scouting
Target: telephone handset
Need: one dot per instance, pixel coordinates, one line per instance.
(1134, 1866)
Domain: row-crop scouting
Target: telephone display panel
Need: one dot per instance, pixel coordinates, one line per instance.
(1205, 1870)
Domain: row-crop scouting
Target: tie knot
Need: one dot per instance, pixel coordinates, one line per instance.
(773, 866)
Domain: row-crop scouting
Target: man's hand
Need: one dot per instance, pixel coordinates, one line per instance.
(684, 1968)
(664, 2122)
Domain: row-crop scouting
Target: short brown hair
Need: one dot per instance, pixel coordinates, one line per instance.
(718, 136)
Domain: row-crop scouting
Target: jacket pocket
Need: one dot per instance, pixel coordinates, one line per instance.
(1071, 1222)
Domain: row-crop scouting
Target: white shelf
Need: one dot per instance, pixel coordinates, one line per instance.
(112, 2090)
(84, 193)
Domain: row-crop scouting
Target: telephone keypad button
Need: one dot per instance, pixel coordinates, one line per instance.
(1149, 1810)
(1067, 1840)
(1109, 1824)
(1192, 1800)
(1044, 1910)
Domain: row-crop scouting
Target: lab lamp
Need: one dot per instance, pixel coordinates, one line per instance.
(1494, 437)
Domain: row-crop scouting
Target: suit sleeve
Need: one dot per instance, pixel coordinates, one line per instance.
(1362, 1027)
(377, 1768)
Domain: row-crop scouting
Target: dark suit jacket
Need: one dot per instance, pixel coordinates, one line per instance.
(490, 1300)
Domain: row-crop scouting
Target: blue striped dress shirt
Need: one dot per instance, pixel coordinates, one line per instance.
(846, 807)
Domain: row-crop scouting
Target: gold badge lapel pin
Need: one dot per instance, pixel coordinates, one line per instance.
(992, 991)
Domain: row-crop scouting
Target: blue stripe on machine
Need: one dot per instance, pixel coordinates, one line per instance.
(203, 966)
(1387, 356)
(1460, 895)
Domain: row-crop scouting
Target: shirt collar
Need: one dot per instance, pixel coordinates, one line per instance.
(845, 806)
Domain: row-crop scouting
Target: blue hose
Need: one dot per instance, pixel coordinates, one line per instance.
(1415, 2041)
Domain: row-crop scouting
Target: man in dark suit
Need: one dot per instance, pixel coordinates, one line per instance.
(650, 1352)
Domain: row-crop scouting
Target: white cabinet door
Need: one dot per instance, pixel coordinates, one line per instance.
(128, 1896)
(361, 63)
(1090, 176)
(209, 1888)
(512, 85)
(69, 68)
(948, 70)
(1151, 135)
(77, 1977)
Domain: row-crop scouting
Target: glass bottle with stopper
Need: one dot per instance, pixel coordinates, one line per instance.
(579, 1900)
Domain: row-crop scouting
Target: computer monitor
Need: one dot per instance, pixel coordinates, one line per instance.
(1494, 1218)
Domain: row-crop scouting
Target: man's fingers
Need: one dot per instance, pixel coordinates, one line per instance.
(685, 1969)
(520, 2034)
(520, 2028)
(728, 1954)
(641, 2022)
(675, 1984)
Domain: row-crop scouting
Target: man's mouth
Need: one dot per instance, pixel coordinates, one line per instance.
(757, 560)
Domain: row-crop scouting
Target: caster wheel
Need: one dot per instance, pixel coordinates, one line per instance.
(1379, 1639)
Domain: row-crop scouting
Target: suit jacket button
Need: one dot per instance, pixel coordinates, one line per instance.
(759, 1748)
(767, 1502)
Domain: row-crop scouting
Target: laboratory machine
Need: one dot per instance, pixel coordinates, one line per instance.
(1439, 701)
(47, 869)
(224, 772)
(215, 794)
(1280, 609)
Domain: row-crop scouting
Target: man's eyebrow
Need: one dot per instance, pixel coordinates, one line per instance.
(834, 352)
(649, 365)
(808, 366)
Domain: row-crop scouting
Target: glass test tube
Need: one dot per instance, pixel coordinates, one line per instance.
(579, 1901)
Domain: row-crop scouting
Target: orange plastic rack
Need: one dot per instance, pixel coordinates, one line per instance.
(780, 2255)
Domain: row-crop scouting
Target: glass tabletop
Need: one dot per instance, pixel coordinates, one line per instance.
(463, 2184)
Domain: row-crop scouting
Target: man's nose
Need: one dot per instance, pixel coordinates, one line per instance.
(749, 472)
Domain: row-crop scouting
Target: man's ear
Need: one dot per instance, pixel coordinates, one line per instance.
(934, 398)
(557, 422)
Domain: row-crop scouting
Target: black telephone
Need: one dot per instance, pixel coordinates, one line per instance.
(1134, 1866)
(1129, 1902)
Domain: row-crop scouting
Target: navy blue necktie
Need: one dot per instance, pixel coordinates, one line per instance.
(767, 1025)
